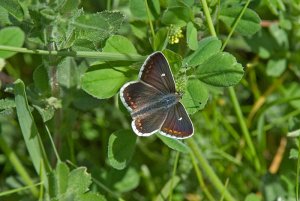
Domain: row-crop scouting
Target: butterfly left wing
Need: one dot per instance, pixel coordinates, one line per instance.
(145, 125)
(157, 73)
(136, 95)
(177, 124)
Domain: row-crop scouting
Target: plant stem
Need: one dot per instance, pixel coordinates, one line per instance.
(235, 102)
(149, 19)
(52, 144)
(208, 18)
(209, 171)
(243, 126)
(173, 175)
(103, 56)
(235, 24)
(19, 189)
(200, 178)
(298, 170)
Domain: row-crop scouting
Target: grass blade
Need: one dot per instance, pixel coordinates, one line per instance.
(30, 132)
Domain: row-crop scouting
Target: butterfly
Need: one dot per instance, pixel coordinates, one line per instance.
(153, 102)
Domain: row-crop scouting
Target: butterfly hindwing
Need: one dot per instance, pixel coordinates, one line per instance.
(157, 73)
(149, 124)
(177, 124)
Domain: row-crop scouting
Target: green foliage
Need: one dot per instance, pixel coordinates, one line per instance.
(11, 36)
(61, 120)
(223, 70)
(71, 185)
(174, 144)
(121, 146)
(29, 130)
(249, 23)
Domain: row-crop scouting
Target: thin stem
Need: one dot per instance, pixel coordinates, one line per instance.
(104, 56)
(53, 145)
(235, 102)
(200, 178)
(208, 18)
(209, 171)
(243, 126)
(235, 24)
(298, 172)
(19, 189)
(149, 19)
(173, 175)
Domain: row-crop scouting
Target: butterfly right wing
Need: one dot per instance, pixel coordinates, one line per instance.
(157, 73)
(136, 95)
(177, 123)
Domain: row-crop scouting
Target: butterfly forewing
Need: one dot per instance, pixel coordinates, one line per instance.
(177, 124)
(156, 72)
(136, 95)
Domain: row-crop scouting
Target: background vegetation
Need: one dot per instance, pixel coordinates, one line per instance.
(64, 135)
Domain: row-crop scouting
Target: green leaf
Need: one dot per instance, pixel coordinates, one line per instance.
(248, 25)
(293, 153)
(295, 133)
(7, 104)
(46, 113)
(105, 82)
(62, 173)
(280, 35)
(11, 36)
(220, 70)
(67, 6)
(41, 80)
(167, 189)
(67, 73)
(4, 17)
(14, 8)
(206, 48)
(275, 67)
(97, 27)
(117, 43)
(139, 29)
(177, 15)
(191, 36)
(174, 143)
(129, 181)
(65, 185)
(29, 131)
(161, 39)
(195, 96)
(292, 90)
(252, 197)
(138, 9)
(79, 180)
(90, 196)
(174, 59)
(121, 146)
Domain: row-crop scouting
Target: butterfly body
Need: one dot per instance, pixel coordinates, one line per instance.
(158, 103)
(154, 103)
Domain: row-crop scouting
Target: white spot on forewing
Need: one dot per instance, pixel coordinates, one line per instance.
(163, 75)
(180, 119)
